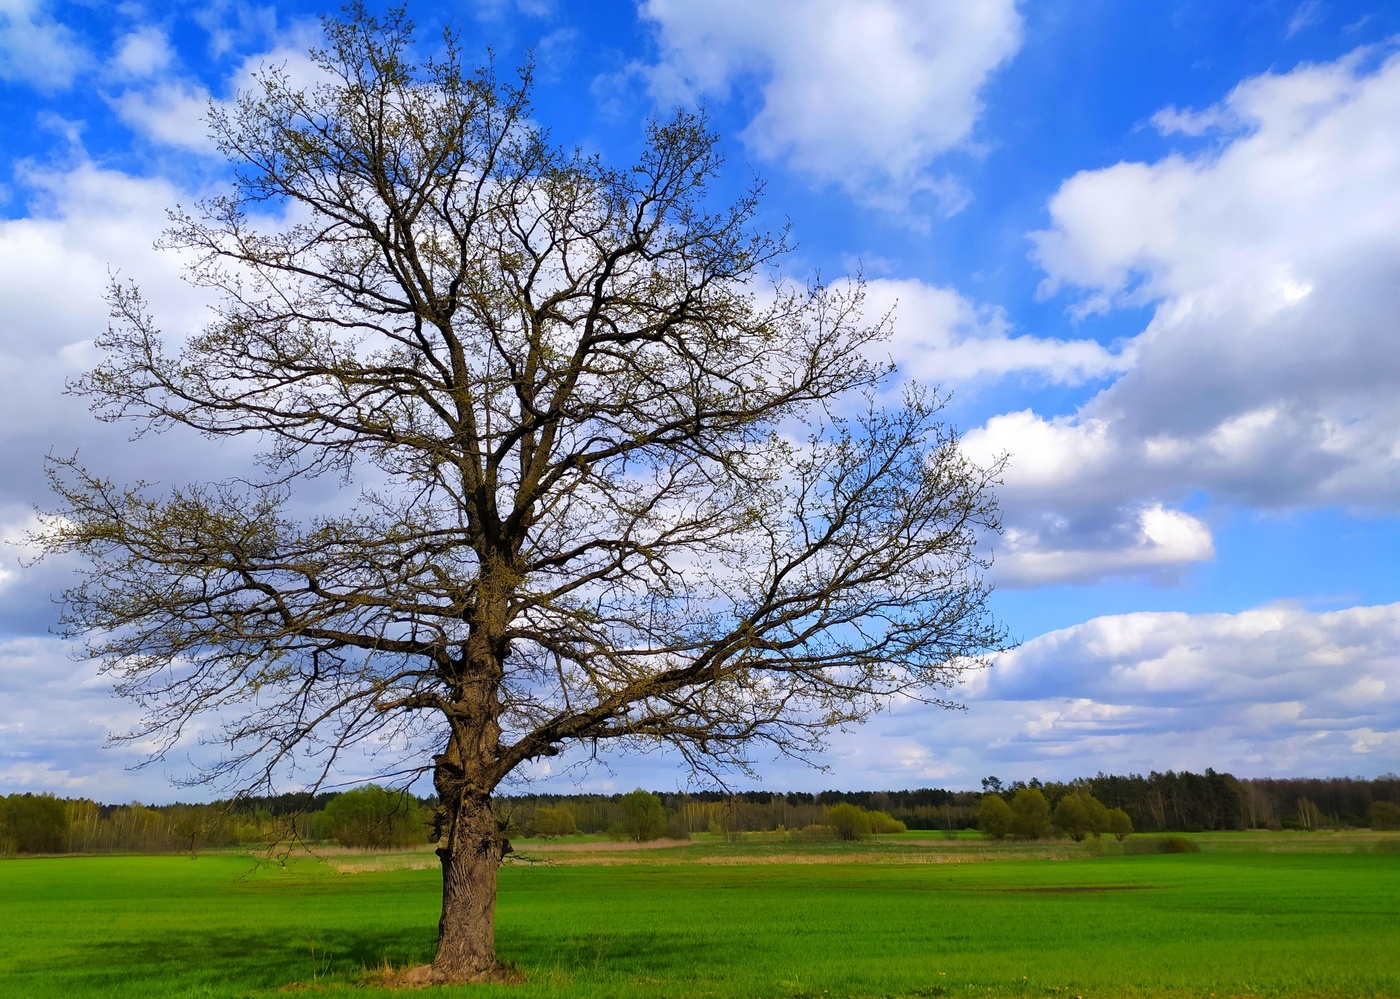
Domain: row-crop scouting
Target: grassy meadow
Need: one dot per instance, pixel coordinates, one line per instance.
(1253, 914)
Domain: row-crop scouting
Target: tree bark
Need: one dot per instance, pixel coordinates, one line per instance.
(470, 855)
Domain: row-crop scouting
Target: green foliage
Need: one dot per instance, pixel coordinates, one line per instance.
(1079, 814)
(644, 816)
(1120, 824)
(554, 820)
(33, 823)
(1072, 816)
(994, 816)
(884, 824)
(374, 816)
(849, 822)
(1030, 815)
(1385, 815)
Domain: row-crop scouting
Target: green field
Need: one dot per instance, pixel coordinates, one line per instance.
(1250, 915)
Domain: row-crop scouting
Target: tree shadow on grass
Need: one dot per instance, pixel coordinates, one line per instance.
(234, 961)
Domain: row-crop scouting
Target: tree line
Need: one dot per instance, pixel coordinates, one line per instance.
(376, 817)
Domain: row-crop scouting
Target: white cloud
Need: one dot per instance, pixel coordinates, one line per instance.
(171, 113)
(1278, 690)
(942, 338)
(143, 52)
(865, 94)
(174, 111)
(86, 224)
(1162, 542)
(1280, 655)
(1269, 374)
(36, 49)
(1274, 691)
(54, 721)
(236, 24)
(1305, 15)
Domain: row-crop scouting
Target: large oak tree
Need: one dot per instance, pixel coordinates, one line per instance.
(608, 486)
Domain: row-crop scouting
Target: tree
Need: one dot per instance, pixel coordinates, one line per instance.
(1030, 814)
(1120, 823)
(1072, 816)
(1079, 814)
(643, 816)
(994, 816)
(608, 491)
(32, 823)
(1385, 815)
(849, 822)
(1100, 819)
(374, 816)
(554, 820)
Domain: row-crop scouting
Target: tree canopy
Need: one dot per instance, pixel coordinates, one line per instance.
(610, 478)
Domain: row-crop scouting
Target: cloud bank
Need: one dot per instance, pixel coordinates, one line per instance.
(1269, 374)
(864, 94)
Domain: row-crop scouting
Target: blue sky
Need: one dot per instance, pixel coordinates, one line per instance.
(1152, 249)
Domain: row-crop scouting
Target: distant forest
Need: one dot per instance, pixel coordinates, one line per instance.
(375, 817)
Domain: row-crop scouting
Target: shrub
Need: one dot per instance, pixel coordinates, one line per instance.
(1385, 815)
(1030, 814)
(885, 824)
(849, 822)
(374, 816)
(994, 816)
(1177, 844)
(1161, 844)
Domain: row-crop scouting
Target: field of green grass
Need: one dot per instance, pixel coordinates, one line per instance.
(1251, 915)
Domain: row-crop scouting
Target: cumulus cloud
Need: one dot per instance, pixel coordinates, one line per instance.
(1273, 691)
(865, 94)
(86, 224)
(940, 337)
(1269, 374)
(36, 49)
(1280, 688)
(1152, 540)
(173, 111)
(143, 52)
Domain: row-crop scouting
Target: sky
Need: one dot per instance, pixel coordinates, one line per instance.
(1151, 249)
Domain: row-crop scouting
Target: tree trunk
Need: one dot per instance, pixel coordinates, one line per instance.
(470, 855)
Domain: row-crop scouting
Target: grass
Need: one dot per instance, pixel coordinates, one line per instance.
(1264, 915)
